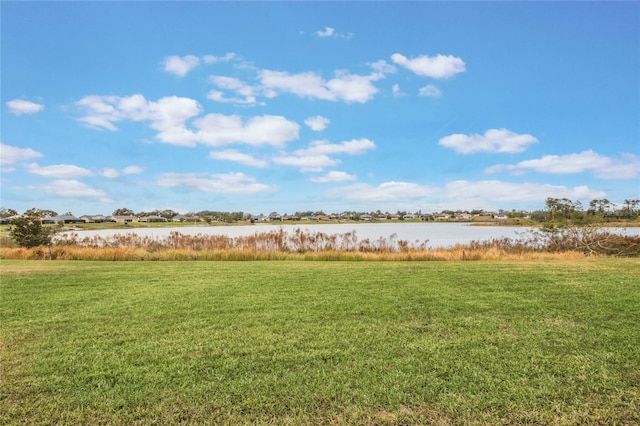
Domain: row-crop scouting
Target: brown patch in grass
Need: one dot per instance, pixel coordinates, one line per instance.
(558, 322)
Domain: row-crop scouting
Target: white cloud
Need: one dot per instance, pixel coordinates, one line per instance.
(352, 147)
(12, 154)
(307, 84)
(306, 162)
(219, 129)
(20, 106)
(330, 32)
(317, 123)
(439, 66)
(494, 140)
(180, 66)
(602, 166)
(354, 88)
(218, 96)
(233, 83)
(212, 59)
(383, 66)
(229, 183)
(73, 188)
(316, 157)
(333, 176)
(247, 91)
(344, 87)
(132, 170)
(430, 90)
(110, 173)
(114, 173)
(58, 171)
(238, 157)
(167, 115)
(466, 192)
(326, 32)
(396, 91)
(387, 191)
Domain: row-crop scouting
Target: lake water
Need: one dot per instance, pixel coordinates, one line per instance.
(437, 234)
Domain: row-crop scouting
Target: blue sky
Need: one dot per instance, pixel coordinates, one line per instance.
(333, 106)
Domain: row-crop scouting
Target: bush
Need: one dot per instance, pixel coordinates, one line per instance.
(28, 231)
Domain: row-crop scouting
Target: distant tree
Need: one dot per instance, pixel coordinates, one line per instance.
(600, 207)
(28, 231)
(7, 212)
(631, 208)
(123, 212)
(563, 209)
(41, 213)
(168, 214)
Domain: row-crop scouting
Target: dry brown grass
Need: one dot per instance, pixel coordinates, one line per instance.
(142, 254)
(307, 245)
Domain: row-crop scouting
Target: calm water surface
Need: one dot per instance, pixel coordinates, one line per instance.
(437, 234)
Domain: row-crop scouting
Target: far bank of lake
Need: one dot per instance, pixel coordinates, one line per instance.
(437, 234)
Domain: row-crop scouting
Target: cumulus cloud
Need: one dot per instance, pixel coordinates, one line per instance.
(383, 66)
(306, 162)
(344, 87)
(466, 191)
(220, 129)
(180, 66)
(58, 170)
(132, 170)
(212, 59)
(439, 66)
(387, 191)
(12, 154)
(430, 90)
(602, 166)
(333, 176)
(317, 123)
(316, 157)
(112, 173)
(396, 91)
(169, 116)
(238, 157)
(226, 183)
(21, 106)
(352, 147)
(493, 140)
(330, 32)
(73, 189)
(326, 32)
(246, 91)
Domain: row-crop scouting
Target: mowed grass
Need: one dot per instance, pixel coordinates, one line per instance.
(294, 342)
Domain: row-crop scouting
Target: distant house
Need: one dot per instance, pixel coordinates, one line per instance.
(152, 218)
(61, 218)
(96, 218)
(185, 218)
(7, 220)
(124, 219)
(409, 216)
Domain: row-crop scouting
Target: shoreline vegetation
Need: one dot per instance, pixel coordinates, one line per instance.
(549, 242)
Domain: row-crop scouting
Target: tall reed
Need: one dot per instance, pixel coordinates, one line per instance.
(309, 245)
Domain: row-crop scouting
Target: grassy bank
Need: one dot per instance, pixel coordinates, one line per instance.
(320, 342)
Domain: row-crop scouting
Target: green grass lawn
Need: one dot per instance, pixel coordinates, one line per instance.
(294, 342)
